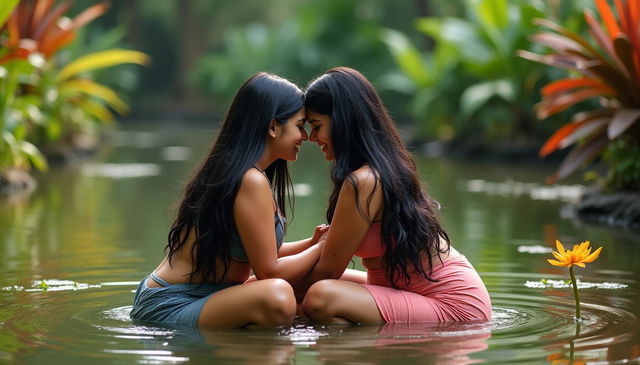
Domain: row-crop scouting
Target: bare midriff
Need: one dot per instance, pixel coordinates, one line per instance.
(181, 266)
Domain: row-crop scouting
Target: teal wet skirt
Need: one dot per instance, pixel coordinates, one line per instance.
(174, 304)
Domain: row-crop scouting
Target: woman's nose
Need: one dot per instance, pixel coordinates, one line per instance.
(305, 136)
(312, 136)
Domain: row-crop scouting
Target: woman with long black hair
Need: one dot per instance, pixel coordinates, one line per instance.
(379, 211)
(231, 221)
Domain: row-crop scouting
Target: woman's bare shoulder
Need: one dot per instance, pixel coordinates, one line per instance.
(365, 178)
(253, 181)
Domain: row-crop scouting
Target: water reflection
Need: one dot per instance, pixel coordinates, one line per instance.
(424, 343)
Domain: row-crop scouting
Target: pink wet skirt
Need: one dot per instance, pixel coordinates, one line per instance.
(459, 295)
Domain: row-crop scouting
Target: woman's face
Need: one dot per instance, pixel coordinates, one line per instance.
(321, 133)
(290, 135)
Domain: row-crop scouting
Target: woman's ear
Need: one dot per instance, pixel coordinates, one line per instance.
(273, 128)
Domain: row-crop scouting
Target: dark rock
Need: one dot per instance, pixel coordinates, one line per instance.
(615, 209)
(15, 180)
(502, 152)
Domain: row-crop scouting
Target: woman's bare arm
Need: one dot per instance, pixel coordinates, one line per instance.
(253, 214)
(348, 227)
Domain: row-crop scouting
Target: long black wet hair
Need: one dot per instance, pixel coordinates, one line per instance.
(363, 133)
(207, 204)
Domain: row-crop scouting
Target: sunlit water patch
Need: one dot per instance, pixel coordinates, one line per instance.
(121, 171)
(63, 285)
(535, 249)
(176, 153)
(302, 189)
(535, 191)
(138, 139)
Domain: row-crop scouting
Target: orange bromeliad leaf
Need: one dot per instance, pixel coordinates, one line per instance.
(14, 30)
(569, 34)
(633, 13)
(608, 18)
(579, 156)
(595, 126)
(46, 24)
(89, 14)
(50, 21)
(624, 21)
(600, 37)
(40, 10)
(566, 84)
(556, 104)
(624, 50)
(577, 129)
(557, 42)
(553, 141)
(609, 69)
(54, 42)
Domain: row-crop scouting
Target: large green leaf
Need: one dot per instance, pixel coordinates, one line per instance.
(96, 109)
(6, 8)
(492, 13)
(475, 96)
(407, 57)
(494, 19)
(459, 33)
(9, 151)
(34, 155)
(102, 59)
(92, 88)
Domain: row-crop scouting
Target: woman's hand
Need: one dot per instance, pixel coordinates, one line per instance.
(320, 231)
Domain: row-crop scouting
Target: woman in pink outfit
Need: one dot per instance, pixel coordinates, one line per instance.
(379, 211)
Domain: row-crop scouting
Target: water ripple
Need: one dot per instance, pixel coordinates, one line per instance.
(529, 325)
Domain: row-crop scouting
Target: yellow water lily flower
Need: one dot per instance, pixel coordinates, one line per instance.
(580, 255)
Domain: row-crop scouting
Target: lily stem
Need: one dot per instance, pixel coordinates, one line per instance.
(575, 291)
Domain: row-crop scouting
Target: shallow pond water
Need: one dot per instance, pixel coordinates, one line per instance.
(72, 252)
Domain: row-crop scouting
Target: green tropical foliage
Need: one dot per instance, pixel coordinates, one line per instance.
(607, 70)
(471, 84)
(17, 112)
(473, 59)
(323, 34)
(46, 99)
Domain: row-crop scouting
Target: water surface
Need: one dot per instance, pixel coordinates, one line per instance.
(72, 252)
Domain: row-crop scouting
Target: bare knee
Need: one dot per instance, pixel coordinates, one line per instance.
(317, 303)
(278, 303)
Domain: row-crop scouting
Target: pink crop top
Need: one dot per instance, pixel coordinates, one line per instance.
(371, 245)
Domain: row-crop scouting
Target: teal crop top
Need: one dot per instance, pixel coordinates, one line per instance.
(236, 249)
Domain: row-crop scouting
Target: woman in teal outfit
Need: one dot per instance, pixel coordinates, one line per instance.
(231, 222)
